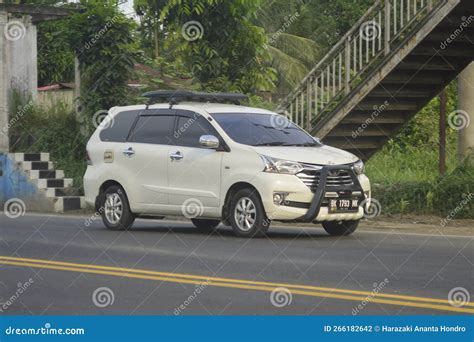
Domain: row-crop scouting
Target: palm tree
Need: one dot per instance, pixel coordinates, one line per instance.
(292, 55)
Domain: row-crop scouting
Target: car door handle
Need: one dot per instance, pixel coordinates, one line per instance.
(176, 156)
(129, 152)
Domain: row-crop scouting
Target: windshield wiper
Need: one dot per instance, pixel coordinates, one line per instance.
(304, 145)
(273, 143)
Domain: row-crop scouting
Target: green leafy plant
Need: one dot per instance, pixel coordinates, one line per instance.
(228, 51)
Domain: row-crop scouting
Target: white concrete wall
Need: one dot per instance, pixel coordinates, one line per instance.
(18, 67)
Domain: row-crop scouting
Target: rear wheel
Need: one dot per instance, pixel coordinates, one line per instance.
(247, 215)
(340, 228)
(205, 225)
(115, 210)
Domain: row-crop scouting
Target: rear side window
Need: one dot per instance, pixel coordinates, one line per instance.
(118, 129)
(190, 129)
(156, 129)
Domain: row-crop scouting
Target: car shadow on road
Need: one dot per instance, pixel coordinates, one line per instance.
(224, 231)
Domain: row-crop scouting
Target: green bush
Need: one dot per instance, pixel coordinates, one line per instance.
(453, 192)
(56, 131)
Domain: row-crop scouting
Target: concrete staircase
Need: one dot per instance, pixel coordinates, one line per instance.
(396, 58)
(58, 193)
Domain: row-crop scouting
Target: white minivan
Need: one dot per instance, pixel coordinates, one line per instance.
(200, 157)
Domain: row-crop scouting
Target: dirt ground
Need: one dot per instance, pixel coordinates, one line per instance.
(420, 224)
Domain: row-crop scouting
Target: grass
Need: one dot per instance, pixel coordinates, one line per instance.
(407, 181)
(394, 165)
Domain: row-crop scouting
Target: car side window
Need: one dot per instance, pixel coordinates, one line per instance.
(190, 129)
(154, 129)
(118, 128)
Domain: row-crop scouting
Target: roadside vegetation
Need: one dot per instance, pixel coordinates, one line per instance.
(262, 48)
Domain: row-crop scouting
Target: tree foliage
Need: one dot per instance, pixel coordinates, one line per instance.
(229, 53)
(102, 38)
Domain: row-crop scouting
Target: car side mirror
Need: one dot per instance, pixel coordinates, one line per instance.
(209, 141)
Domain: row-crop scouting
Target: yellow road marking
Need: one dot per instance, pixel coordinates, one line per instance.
(239, 281)
(313, 291)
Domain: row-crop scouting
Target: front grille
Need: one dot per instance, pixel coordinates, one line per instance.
(336, 178)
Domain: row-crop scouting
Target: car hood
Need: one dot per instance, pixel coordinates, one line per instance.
(321, 155)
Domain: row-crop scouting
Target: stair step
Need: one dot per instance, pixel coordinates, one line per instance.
(393, 105)
(442, 37)
(453, 50)
(31, 157)
(360, 118)
(381, 93)
(346, 143)
(44, 183)
(62, 204)
(37, 165)
(425, 66)
(368, 130)
(60, 192)
(419, 78)
(37, 174)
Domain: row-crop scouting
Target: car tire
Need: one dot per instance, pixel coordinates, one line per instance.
(115, 210)
(205, 225)
(247, 215)
(340, 228)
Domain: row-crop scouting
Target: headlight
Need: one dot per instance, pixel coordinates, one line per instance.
(281, 166)
(359, 167)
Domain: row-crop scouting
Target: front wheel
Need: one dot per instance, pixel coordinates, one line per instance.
(115, 210)
(247, 215)
(340, 228)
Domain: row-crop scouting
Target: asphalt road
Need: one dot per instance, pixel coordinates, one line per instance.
(53, 265)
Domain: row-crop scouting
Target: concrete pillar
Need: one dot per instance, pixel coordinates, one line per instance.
(466, 113)
(4, 141)
(18, 70)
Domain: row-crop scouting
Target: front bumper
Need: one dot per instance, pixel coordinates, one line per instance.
(304, 205)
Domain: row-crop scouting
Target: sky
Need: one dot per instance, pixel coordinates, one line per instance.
(127, 8)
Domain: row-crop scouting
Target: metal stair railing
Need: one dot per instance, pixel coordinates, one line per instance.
(360, 51)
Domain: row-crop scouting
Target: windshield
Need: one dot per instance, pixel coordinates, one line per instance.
(263, 130)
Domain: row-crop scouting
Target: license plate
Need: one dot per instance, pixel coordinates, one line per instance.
(343, 205)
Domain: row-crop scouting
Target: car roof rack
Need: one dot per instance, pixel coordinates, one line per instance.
(176, 96)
